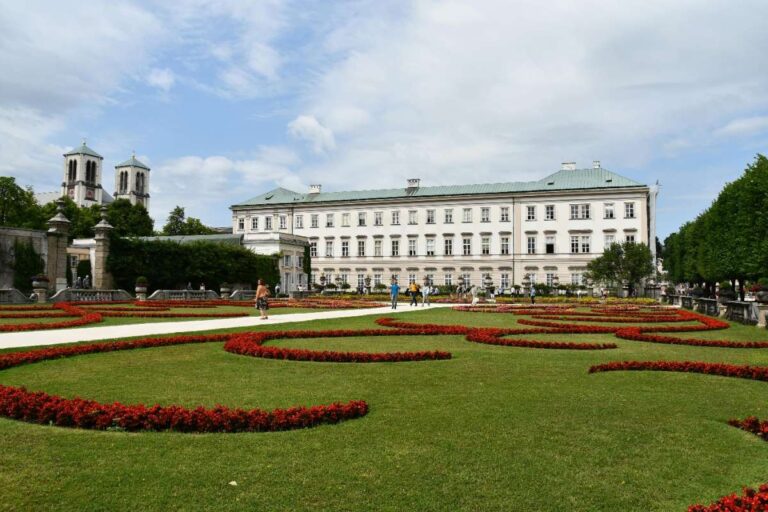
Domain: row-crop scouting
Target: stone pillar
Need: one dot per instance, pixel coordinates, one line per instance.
(762, 315)
(102, 280)
(58, 233)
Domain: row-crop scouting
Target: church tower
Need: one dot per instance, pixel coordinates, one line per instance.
(82, 176)
(132, 182)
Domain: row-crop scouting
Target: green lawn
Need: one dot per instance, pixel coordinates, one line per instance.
(494, 428)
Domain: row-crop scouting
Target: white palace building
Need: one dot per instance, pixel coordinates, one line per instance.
(547, 229)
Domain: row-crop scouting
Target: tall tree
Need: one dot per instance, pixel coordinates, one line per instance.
(179, 224)
(128, 219)
(18, 207)
(627, 263)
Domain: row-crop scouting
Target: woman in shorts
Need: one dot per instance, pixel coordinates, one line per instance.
(262, 292)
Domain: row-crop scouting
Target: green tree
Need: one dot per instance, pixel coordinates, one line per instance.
(179, 224)
(127, 219)
(26, 263)
(18, 207)
(628, 263)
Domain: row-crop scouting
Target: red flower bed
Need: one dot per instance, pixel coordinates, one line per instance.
(251, 343)
(721, 369)
(753, 425)
(85, 318)
(750, 500)
(45, 409)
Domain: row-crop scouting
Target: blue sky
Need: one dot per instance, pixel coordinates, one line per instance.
(227, 99)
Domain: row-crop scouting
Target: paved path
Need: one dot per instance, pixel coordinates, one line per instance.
(59, 336)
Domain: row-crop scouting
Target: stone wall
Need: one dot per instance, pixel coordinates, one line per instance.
(8, 237)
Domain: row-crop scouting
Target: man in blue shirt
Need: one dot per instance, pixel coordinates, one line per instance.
(394, 290)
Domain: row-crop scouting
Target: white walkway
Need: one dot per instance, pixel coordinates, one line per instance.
(60, 336)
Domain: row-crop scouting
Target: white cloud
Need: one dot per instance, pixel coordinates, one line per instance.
(307, 127)
(744, 126)
(161, 78)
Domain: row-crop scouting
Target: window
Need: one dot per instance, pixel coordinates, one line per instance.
(448, 279)
(576, 279)
(377, 218)
(631, 239)
(574, 244)
(585, 243)
(485, 245)
(485, 215)
(361, 219)
(413, 217)
(329, 220)
(313, 249)
(608, 210)
(629, 210)
(395, 247)
(467, 280)
(531, 215)
(504, 214)
(314, 220)
(287, 260)
(467, 246)
(376, 279)
(550, 279)
(412, 247)
(361, 247)
(345, 220)
(505, 245)
(411, 278)
(300, 262)
(241, 224)
(344, 248)
(377, 248)
(430, 216)
(466, 215)
(283, 222)
(361, 280)
(395, 277)
(609, 239)
(267, 223)
(504, 281)
(531, 245)
(254, 223)
(580, 211)
(549, 212)
(344, 278)
(329, 248)
(395, 218)
(299, 222)
(448, 213)
(448, 247)
(430, 246)
(550, 244)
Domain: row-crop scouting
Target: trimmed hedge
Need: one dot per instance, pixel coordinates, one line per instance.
(171, 265)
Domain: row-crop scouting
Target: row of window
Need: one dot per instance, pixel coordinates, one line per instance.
(578, 211)
(579, 244)
(503, 282)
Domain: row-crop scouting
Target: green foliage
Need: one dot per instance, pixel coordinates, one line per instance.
(628, 263)
(179, 224)
(170, 265)
(18, 207)
(84, 268)
(27, 263)
(730, 239)
(127, 219)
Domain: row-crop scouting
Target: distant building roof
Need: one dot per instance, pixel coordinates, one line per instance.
(185, 239)
(47, 197)
(132, 162)
(577, 179)
(83, 150)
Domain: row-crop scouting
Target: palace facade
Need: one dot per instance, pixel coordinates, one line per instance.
(547, 230)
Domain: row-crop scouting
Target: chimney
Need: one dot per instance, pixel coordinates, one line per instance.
(413, 183)
(568, 166)
(596, 164)
(315, 189)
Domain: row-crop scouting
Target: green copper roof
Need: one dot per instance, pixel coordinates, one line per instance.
(132, 162)
(83, 150)
(579, 179)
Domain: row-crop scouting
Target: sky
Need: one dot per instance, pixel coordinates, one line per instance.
(227, 99)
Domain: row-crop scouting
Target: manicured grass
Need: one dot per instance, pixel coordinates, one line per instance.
(494, 428)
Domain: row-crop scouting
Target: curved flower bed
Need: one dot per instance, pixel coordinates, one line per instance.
(721, 369)
(750, 500)
(84, 318)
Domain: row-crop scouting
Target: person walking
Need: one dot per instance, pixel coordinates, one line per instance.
(394, 290)
(413, 289)
(533, 294)
(473, 293)
(262, 292)
(425, 293)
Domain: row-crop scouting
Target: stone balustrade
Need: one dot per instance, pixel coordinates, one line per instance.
(90, 295)
(12, 296)
(184, 295)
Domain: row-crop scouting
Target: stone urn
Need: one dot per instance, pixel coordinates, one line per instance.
(40, 281)
(225, 290)
(141, 288)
